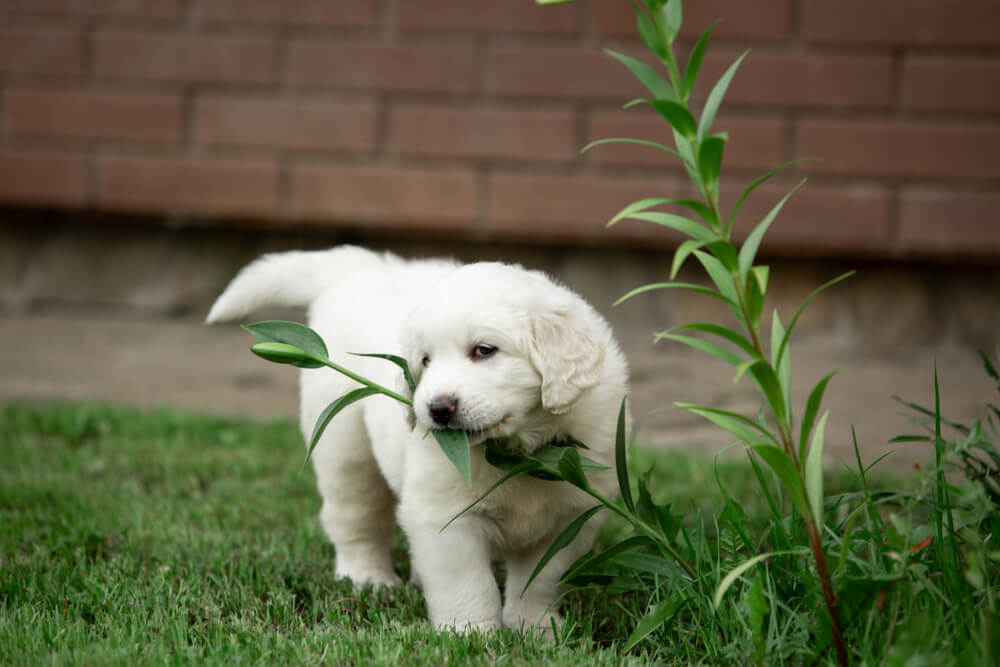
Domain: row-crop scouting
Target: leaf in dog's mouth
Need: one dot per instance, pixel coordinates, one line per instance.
(455, 445)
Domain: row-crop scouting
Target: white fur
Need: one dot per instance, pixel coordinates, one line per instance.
(557, 372)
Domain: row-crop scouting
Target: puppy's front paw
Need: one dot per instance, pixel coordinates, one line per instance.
(362, 574)
(469, 627)
(530, 618)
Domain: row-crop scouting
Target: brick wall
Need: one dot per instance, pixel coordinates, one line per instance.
(463, 120)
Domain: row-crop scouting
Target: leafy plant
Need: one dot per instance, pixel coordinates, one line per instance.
(793, 455)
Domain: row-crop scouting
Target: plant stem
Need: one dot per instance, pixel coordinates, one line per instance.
(365, 381)
(816, 544)
(813, 531)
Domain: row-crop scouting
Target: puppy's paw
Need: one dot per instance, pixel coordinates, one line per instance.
(536, 620)
(469, 627)
(362, 574)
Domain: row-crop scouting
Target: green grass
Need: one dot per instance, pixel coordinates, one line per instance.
(158, 537)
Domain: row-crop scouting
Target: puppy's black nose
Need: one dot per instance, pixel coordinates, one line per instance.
(442, 409)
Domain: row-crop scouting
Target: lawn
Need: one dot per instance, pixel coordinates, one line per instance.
(157, 537)
(129, 536)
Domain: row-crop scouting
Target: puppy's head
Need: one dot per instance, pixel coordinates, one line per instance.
(496, 351)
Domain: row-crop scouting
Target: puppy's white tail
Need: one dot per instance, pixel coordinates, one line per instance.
(291, 279)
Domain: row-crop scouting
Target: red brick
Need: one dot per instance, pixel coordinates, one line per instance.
(196, 186)
(388, 196)
(487, 133)
(443, 69)
(147, 9)
(951, 84)
(558, 73)
(902, 22)
(488, 16)
(352, 13)
(902, 149)
(572, 209)
(828, 81)
(43, 178)
(754, 143)
(817, 219)
(938, 221)
(206, 59)
(89, 115)
(41, 51)
(740, 19)
(285, 123)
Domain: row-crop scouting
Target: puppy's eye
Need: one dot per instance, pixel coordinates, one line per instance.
(425, 362)
(482, 351)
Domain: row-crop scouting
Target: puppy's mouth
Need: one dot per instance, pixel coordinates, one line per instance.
(479, 434)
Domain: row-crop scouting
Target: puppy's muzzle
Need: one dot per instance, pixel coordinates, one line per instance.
(443, 409)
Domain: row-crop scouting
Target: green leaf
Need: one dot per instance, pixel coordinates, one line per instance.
(736, 572)
(767, 380)
(682, 253)
(725, 252)
(571, 468)
(590, 561)
(659, 616)
(753, 186)
(646, 563)
(637, 206)
(782, 367)
(331, 411)
(746, 430)
(678, 223)
(648, 33)
(715, 98)
(710, 160)
(628, 140)
(760, 275)
(788, 475)
(814, 471)
(621, 460)
(399, 361)
(677, 115)
(283, 353)
(455, 445)
(756, 288)
(673, 12)
(812, 408)
(682, 286)
(722, 278)
(720, 331)
(703, 345)
(694, 60)
(649, 77)
(645, 204)
(291, 333)
(563, 540)
(748, 253)
(802, 307)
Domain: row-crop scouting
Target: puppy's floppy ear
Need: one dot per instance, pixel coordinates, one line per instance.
(569, 356)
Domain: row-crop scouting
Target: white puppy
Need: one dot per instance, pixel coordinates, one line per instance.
(497, 351)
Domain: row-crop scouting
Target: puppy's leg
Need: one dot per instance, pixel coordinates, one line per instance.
(537, 607)
(358, 506)
(453, 566)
